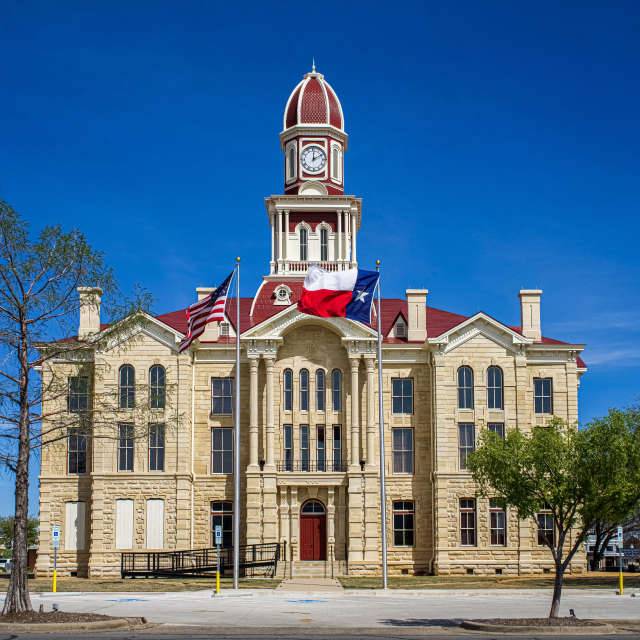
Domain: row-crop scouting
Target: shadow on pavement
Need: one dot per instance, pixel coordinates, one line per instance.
(423, 622)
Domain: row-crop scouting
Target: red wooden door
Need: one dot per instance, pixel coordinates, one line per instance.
(313, 537)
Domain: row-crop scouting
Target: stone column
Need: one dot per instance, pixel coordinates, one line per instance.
(294, 518)
(272, 221)
(355, 422)
(253, 414)
(270, 457)
(354, 231)
(285, 242)
(371, 413)
(331, 526)
(339, 236)
(279, 241)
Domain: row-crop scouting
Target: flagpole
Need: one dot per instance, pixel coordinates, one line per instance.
(383, 492)
(236, 452)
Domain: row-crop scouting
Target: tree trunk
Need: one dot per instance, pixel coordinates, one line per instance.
(18, 598)
(557, 590)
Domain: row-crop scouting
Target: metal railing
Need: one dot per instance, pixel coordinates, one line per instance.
(200, 561)
(311, 466)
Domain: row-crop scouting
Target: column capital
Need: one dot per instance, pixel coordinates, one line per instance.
(269, 362)
(354, 363)
(370, 363)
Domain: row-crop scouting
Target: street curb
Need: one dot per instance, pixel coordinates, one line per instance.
(537, 631)
(119, 623)
(61, 594)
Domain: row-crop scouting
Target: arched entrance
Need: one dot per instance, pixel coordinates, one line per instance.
(313, 531)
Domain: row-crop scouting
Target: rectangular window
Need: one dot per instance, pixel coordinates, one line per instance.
(402, 395)
(465, 443)
(497, 428)
(124, 524)
(320, 449)
(125, 447)
(324, 245)
(337, 448)
(403, 534)
(288, 447)
(222, 396)
(221, 450)
(542, 395)
(468, 522)
(156, 448)
(224, 329)
(496, 515)
(78, 394)
(76, 451)
(74, 526)
(288, 396)
(545, 526)
(402, 446)
(155, 524)
(304, 447)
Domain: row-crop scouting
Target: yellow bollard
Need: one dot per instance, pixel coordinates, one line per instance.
(217, 582)
(55, 576)
(621, 590)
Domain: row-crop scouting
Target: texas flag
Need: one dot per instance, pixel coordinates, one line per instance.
(343, 294)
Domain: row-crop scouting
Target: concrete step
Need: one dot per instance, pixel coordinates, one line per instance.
(302, 569)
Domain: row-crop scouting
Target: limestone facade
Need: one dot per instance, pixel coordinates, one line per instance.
(309, 388)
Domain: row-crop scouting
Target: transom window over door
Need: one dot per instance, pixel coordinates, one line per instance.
(303, 244)
(494, 388)
(465, 388)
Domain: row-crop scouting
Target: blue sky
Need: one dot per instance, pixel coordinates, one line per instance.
(494, 144)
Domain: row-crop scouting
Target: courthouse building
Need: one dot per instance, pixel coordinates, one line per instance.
(309, 409)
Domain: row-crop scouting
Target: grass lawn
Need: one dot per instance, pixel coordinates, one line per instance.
(588, 581)
(142, 584)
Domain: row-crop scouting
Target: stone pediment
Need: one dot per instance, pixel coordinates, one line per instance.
(155, 330)
(484, 325)
(275, 327)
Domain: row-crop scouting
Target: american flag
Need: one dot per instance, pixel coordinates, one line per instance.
(209, 309)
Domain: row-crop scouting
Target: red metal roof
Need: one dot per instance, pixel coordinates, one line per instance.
(308, 100)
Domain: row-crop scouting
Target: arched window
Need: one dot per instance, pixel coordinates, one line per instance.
(288, 385)
(320, 390)
(324, 244)
(291, 173)
(127, 387)
(157, 387)
(465, 388)
(313, 506)
(335, 163)
(222, 516)
(494, 388)
(337, 391)
(303, 244)
(304, 390)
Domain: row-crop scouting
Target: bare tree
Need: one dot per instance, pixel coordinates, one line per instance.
(39, 307)
(605, 531)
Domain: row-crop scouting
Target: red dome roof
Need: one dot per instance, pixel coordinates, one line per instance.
(313, 101)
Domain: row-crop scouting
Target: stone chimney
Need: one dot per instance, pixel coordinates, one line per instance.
(417, 303)
(210, 333)
(90, 298)
(530, 313)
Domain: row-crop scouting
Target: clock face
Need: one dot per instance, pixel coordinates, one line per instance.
(313, 158)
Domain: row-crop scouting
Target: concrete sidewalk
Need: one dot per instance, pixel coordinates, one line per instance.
(310, 585)
(339, 610)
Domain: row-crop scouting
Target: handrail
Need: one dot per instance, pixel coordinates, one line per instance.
(346, 556)
(194, 561)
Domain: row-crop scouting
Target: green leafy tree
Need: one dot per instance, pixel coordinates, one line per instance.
(39, 309)
(7, 531)
(582, 475)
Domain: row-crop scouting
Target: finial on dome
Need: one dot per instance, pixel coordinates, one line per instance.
(313, 70)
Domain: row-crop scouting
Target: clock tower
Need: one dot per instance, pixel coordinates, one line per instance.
(314, 221)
